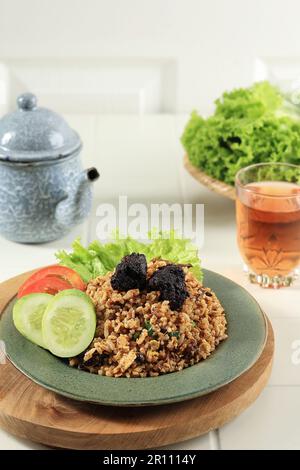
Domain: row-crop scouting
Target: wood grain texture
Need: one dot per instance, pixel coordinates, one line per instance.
(211, 183)
(30, 411)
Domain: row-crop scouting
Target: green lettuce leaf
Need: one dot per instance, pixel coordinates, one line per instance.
(97, 259)
(246, 128)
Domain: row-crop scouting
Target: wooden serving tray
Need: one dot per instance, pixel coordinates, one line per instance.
(211, 183)
(30, 411)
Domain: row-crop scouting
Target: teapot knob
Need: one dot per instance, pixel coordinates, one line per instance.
(27, 101)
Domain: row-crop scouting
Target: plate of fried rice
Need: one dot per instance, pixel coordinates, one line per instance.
(162, 336)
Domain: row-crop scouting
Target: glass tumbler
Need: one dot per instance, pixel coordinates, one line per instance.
(268, 222)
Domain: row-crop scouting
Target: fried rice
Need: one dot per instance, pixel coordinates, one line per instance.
(138, 335)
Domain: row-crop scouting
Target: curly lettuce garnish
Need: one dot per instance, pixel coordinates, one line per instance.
(98, 258)
(248, 127)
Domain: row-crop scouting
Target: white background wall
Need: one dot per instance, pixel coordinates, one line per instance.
(146, 55)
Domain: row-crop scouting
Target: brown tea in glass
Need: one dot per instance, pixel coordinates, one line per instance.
(268, 222)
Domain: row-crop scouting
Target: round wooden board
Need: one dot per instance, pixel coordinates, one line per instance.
(30, 411)
(211, 183)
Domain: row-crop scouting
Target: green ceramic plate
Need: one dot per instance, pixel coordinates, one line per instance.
(247, 332)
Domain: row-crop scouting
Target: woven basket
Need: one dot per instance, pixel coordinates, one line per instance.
(215, 185)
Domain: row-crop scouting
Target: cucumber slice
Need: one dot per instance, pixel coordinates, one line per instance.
(28, 315)
(69, 323)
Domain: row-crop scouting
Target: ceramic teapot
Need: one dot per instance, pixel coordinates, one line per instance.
(44, 191)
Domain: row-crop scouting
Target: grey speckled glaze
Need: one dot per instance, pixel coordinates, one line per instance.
(44, 191)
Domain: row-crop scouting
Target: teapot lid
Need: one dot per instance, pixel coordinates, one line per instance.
(32, 133)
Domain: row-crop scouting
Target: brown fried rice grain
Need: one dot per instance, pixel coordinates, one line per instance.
(138, 335)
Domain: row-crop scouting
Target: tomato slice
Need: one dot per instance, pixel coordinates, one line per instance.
(48, 285)
(56, 272)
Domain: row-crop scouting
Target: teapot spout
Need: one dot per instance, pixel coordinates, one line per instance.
(77, 202)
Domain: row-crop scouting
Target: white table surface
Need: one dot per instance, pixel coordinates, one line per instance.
(142, 157)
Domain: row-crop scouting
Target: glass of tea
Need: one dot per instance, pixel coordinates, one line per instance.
(268, 222)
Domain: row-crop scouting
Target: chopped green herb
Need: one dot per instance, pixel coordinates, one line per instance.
(176, 334)
(136, 335)
(149, 328)
(193, 324)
